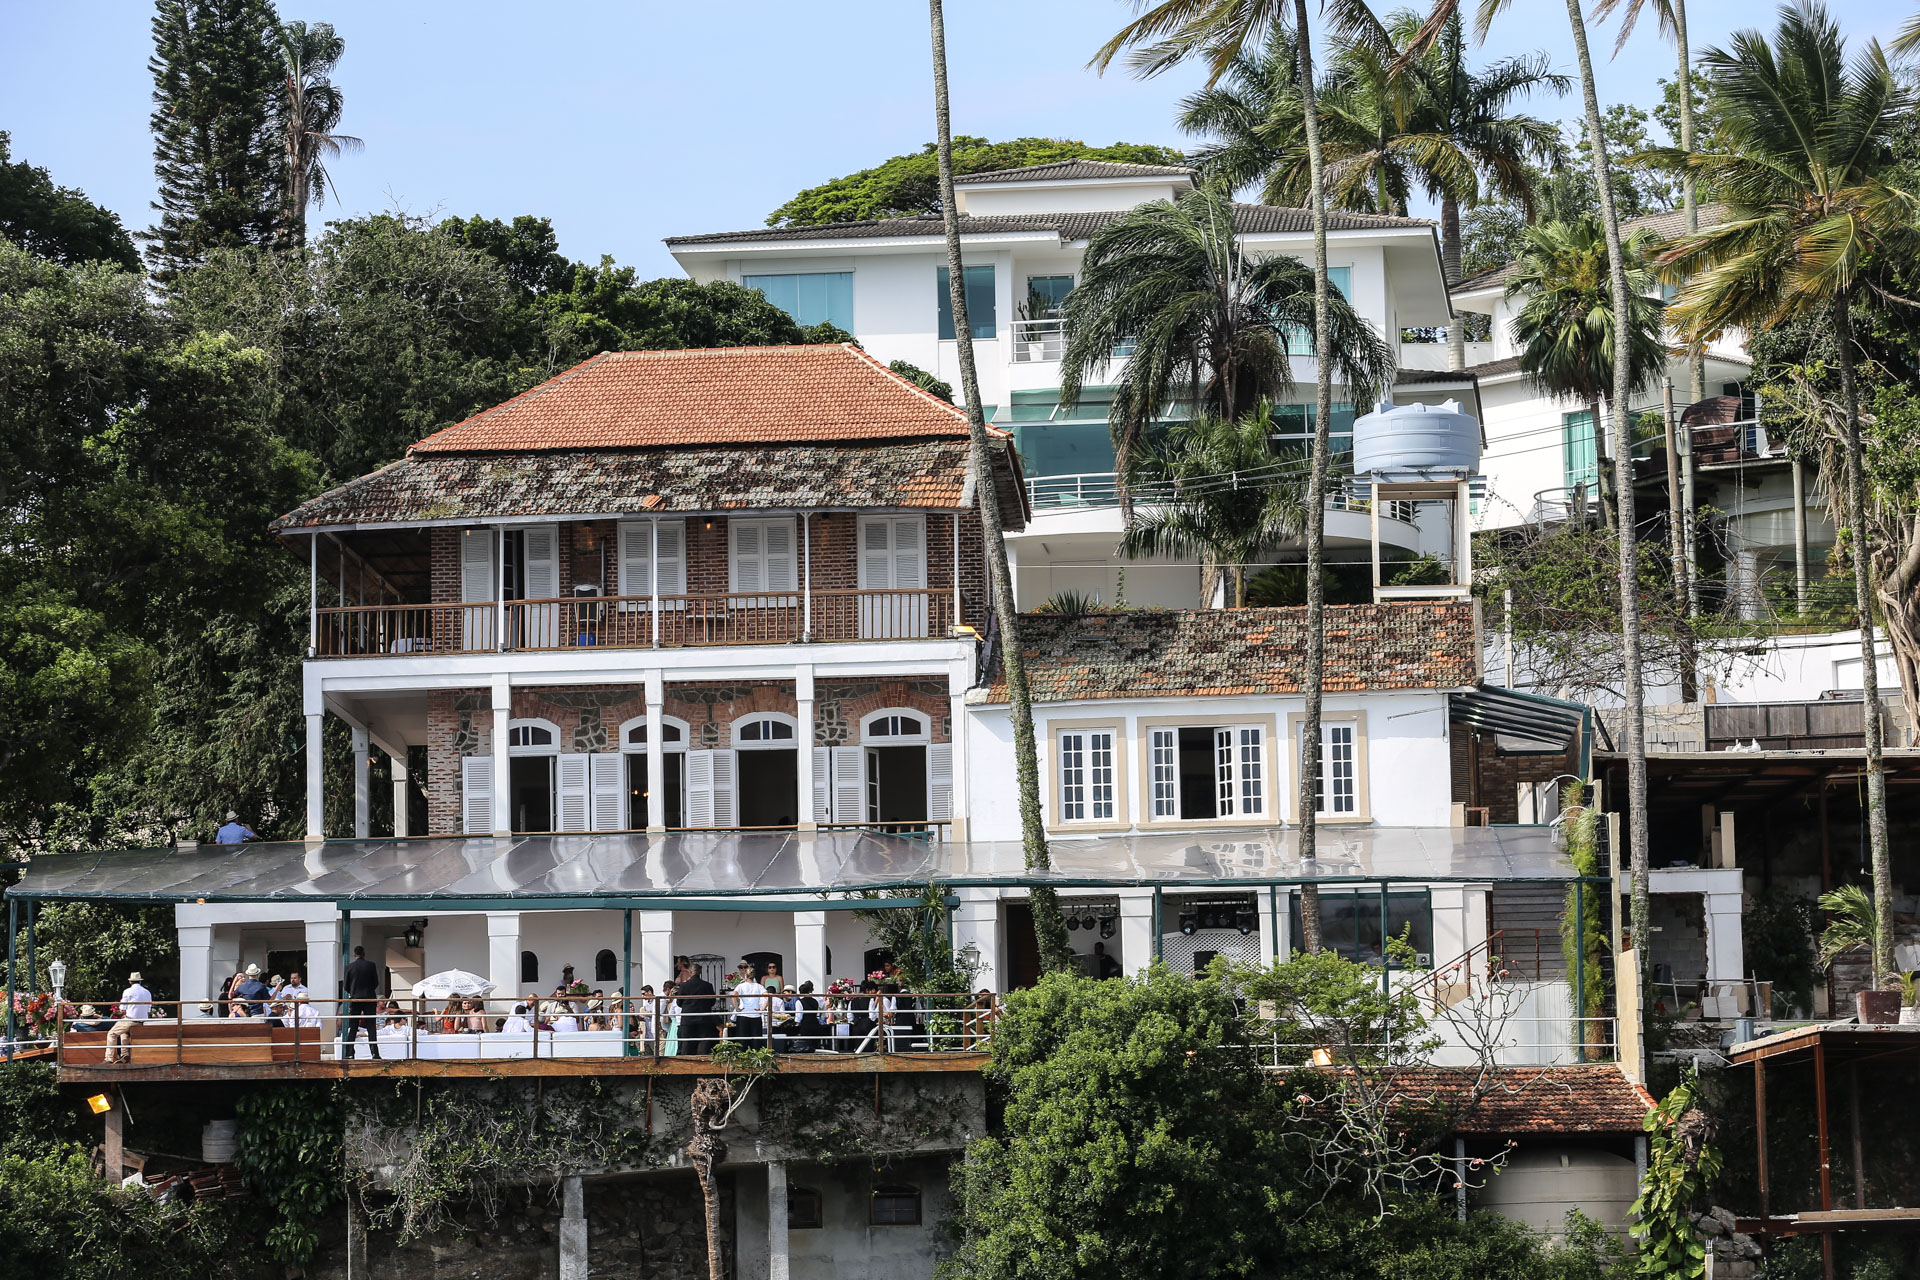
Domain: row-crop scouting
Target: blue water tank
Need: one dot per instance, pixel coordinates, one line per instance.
(1416, 439)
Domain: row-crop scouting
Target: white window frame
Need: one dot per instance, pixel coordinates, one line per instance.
(533, 748)
(870, 726)
(1353, 722)
(767, 588)
(1242, 793)
(1077, 784)
(641, 722)
(742, 743)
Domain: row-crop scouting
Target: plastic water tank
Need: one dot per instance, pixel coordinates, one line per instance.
(219, 1140)
(1414, 438)
(1539, 1184)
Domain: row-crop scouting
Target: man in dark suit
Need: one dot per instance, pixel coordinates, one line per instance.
(362, 983)
(696, 996)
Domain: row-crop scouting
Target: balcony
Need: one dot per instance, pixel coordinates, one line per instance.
(1101, 489)
(1045, 342)
(634, 622)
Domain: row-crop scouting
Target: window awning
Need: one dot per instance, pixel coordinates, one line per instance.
(641, 869)
(1535, 721)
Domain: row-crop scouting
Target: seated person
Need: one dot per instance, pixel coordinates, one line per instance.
(304, 1014)
(90, 1020)
(517, 1023)
(475, 1018)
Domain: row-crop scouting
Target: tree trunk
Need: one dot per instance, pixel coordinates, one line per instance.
(1049, 926)
(1316, 487)
(1689, 201)
(711, 1098)
(1597, 421)
(1677, 550)
(1627, 538)
(1450, 264)
(1869, 665)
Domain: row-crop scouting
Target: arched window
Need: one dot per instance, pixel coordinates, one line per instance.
(529, 968)
(896, 1206)
(896, 726)
(533, 737)
(673, 734)
(767, 730)
(605, 967)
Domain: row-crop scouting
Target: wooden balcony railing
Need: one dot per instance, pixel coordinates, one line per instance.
(628, 622)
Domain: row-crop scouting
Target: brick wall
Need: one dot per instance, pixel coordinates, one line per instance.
(444, 552)
(1493, 780)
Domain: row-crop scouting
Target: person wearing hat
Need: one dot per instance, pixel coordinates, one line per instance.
(233, 831)
(254, 992)
(136, 1005)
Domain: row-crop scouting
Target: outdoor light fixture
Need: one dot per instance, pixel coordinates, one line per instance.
(413, 934)
(57, 975)
(100, 1103)
(1247, 922)
(1188, 923)
(1106, 926)
(1073, 922)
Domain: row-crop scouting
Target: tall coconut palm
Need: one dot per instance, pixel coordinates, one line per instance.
(1049, 925)
(1814, 193)
(1209, 326)
(1220, 497)
(309, 110)
(1565, 326)
(1673, 22)
(1219, 31)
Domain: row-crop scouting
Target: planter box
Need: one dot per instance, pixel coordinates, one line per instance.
(1877, 1006)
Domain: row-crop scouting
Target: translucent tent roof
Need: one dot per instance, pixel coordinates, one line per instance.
(695, 864)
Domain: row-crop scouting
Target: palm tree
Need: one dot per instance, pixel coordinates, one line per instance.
(1225, 499)
(309, 111)
(1565, 324)
(1049, 925)
(1673, 22)
(1814, 193)
(1207, 323)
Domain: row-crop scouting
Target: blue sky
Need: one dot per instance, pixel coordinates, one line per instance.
(625, 123)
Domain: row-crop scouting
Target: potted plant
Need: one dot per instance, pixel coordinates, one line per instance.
(1909, 997)
(1854, 924)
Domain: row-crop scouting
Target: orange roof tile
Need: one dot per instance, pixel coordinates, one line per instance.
(711, 396)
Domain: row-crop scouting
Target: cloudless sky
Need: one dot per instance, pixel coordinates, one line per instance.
(625, 123)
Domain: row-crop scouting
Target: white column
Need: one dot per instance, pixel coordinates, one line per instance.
(958, 676)
(502, 771)
(810, 948)
(803, 773)
(503, 956)
(657, 755)
(1477, 897)
(323, 965)
(196, 963)
(976, 921)
(316, 776)
(362, 785)
(1272, 940)
(1725, 943)
(397, 766)
(1136, 929)
(778, 1264)
(224, 957)
(1450, 937)
(656, 947)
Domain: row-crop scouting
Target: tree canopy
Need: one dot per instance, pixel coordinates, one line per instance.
(909, 185)
(57, 222)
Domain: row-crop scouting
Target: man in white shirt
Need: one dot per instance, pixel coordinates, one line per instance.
(294, 989)
(136, 1005)
(749, 1006)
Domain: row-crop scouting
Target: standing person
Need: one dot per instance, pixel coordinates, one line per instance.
(295, 988)
(696, 997)
(233, 831)
(866, 1014)
(750, 1006)
(253, 992)
(810, 1032)
(136, 1005)
(362, 984)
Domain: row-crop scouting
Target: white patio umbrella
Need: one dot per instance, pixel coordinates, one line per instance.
(452, 984)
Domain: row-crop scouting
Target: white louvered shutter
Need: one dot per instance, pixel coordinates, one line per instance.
(940, 782)
(636, 557)
(543, 561)
(823, 784)
(909, 553)
(749, 560)
(476, 565)
(849, 784)
(699, 779)
(609, 790)
(776, 547)
(673, 557)
(574, 812)
(726, 791)
(476, 804)
(876, 553)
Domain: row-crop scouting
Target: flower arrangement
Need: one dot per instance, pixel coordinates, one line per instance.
(731, 980)
(578, 989)
(37, 1013)
(842, 987)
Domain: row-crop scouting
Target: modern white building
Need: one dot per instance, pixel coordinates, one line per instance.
(1023, 233)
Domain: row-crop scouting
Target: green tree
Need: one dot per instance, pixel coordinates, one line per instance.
(57, 222)
(57, 1218)
(1814, 198)
(308, 107)
(922, 379)
(909, 186)
(527, 248)
(1218, 495)
(217, 156)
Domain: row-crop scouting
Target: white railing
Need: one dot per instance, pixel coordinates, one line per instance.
(1101, 489)
(1045, 342)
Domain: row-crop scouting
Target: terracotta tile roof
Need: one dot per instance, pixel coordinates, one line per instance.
(1249, 219)
(1524, 1101)
(721, 395)
(429, 486)
(1066, 170)
(1164, 653)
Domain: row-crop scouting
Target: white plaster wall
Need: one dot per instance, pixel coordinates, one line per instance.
(845, 1247)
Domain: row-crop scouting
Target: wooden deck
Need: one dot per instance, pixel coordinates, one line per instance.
(256, 1067)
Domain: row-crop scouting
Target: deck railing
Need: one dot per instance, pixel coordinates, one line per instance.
(676, 621)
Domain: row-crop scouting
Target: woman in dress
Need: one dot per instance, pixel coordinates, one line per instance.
(670, 1040)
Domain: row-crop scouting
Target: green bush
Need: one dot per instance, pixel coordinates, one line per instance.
(58, 1221)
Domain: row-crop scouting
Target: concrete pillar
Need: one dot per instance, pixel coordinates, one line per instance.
(976, 922)
(223, 957)
(810, 948)
(959, 676)
(573, 1230)
(779, 1265)
(804, 772)
(1475, 900)
(1270, 937)
(656, 947)
(362, 785)
(323, 966)
(1725, 943)
(502, 771)
(1136, 929)
(397, 766)
(114, 1137)
(1450, 937)
(656, 760)
(316, 776)
(196, 964)
(503, 958)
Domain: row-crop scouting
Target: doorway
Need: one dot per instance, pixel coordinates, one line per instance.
(1023, 953)
(1199, 783)
(673, 778)
(769, 785)
(530, 787)
(897, 785)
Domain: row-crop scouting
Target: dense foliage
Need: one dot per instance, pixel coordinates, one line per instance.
(908, 186)
(290, 1155)
(57, 222)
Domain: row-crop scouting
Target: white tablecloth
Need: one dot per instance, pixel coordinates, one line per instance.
(466, 1046)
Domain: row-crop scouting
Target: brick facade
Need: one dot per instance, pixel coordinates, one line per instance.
(1486, 777)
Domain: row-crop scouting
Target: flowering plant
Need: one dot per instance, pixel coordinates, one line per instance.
(731, 979)
(841, 987)
(37, 1013)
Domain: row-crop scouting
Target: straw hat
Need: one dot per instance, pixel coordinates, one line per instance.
(135, 976)
(253, 971)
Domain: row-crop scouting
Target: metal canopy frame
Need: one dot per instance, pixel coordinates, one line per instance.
(1534, 717)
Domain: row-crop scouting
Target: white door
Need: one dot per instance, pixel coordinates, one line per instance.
(711, 789)
(873, 785)
(574, 811)
(478, 579)
(609, 790)
(893, 559)
(540, 616)
(476, 806)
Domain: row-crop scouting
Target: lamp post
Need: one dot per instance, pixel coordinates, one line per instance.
(57, 975)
